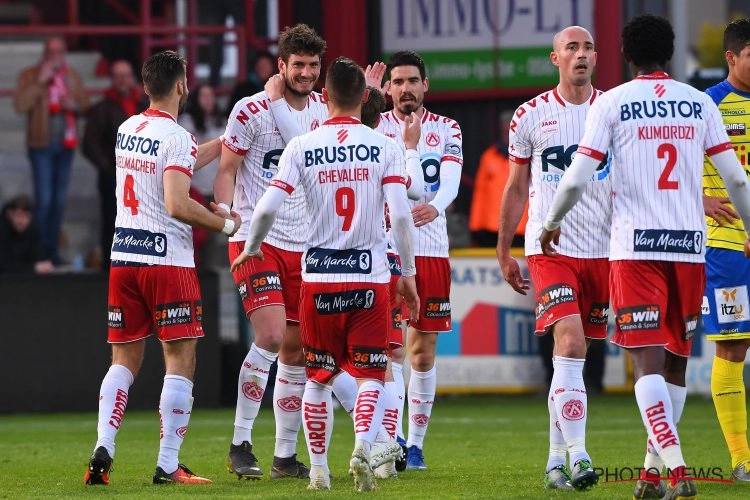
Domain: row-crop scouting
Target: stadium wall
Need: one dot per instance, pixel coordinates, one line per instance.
(55, 353)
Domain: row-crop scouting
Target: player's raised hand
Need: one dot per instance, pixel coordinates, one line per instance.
(512, 274)
(243, 257)
(275, 87)
(719, 210)
(547, 238)
(412, 130)
(407, 288)
(374, 75)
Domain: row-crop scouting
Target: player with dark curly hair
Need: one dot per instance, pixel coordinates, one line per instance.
(658, 130)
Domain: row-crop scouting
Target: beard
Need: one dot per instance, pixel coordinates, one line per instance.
(290, 88)
(407, 108)
(182, 103)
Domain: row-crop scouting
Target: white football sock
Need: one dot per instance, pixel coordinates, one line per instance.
(397, 390)
(368, 412)
(345, 389)
(655, 405)
(317, 417)
(250, 388)
(421, 397)
(113, 400)
(391, 415)
(677, 396)
(571, 405)
(175, 406)
(287, 407)
(558, 450)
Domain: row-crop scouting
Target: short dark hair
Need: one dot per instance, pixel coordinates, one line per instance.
(405, 58)
(161, 71)
(300, 39)
(737, 36)
(372, 107)
(345, 83)
(648, 39)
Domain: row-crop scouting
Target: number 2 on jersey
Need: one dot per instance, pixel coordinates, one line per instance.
(345, 206)
(668, 151)
(129, 199)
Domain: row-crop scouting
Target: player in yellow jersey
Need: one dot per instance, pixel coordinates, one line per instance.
(726, 308)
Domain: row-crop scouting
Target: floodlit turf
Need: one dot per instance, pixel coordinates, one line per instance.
(477, 447)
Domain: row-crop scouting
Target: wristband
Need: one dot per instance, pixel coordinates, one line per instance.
(225, 207)
(412, 153)
(228, 227)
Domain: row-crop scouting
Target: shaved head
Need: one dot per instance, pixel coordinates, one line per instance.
(561, 37)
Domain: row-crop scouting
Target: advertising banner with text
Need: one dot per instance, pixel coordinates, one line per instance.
(482, 44)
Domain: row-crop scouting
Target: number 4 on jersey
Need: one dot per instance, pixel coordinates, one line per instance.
(129, 198)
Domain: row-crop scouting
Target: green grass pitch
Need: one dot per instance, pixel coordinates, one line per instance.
(476, 447)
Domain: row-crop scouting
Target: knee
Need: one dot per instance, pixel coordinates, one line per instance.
(398, 355)
(422, 361)
(570, 344)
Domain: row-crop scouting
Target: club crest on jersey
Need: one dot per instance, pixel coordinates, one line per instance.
(432, 139)
(345, 301)
(140, 242)
(328, 261)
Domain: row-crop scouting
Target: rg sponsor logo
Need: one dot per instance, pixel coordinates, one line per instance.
(290, 404)
(252, 391)
(420, 419)
(573, 410)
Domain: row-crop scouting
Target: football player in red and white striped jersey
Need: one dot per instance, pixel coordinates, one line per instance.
(152, 281)
(572, 292)
(441, 156)
(347, 171)
(257, 131)
(658, 130)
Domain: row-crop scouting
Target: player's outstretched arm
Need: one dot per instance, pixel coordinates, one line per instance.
(570, 189)
(736, 183)
(288, 126)
(207, 152)
(179, 205)
(411, 134)
(513, 204)
(225, 177)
